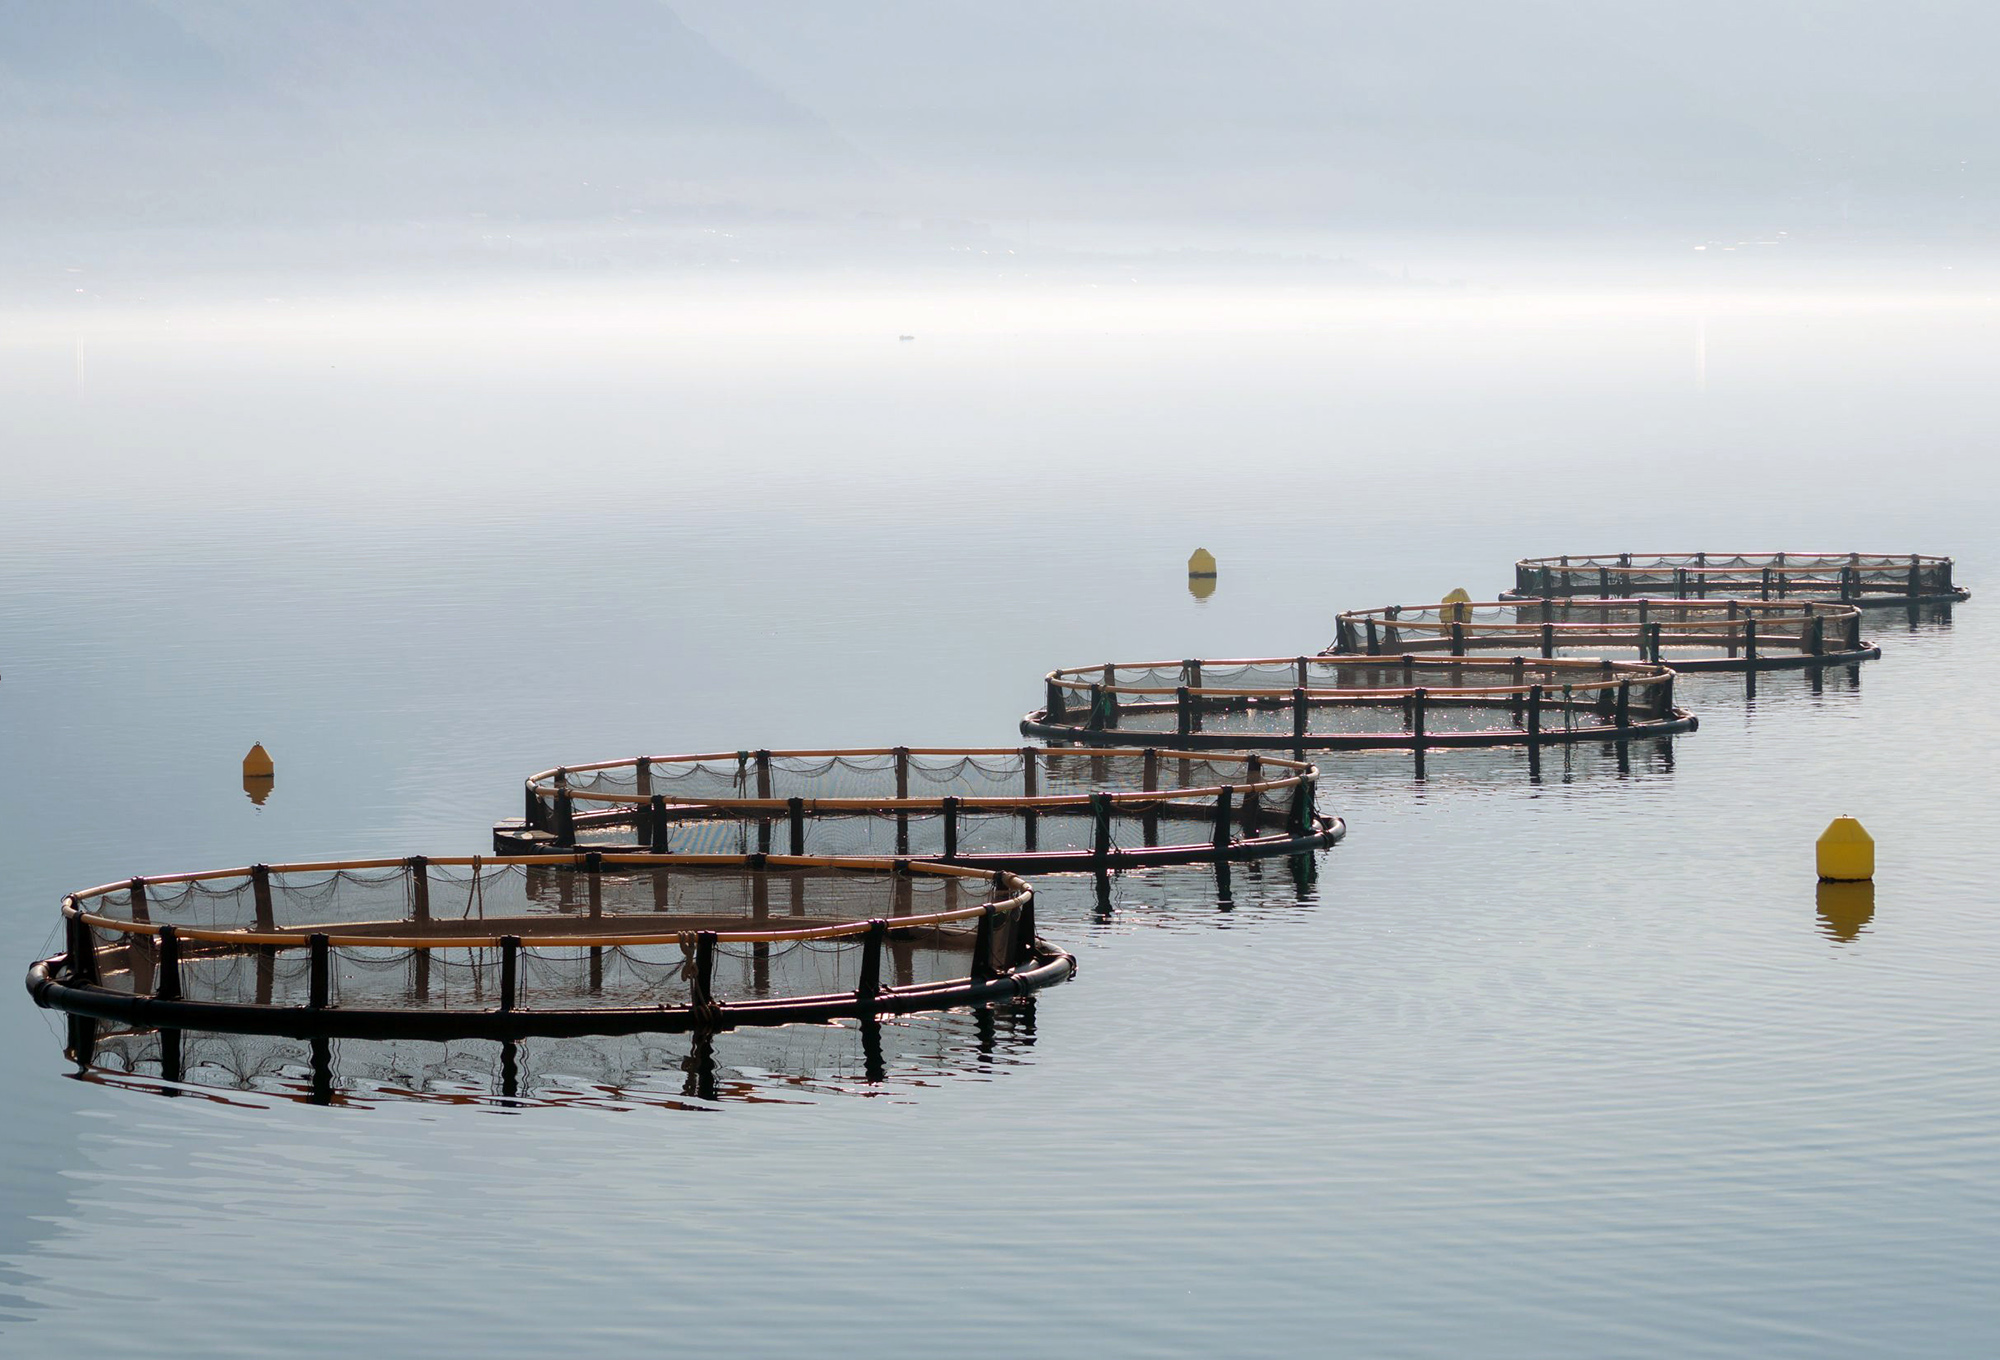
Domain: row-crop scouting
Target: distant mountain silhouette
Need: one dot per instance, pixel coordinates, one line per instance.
(180, 108)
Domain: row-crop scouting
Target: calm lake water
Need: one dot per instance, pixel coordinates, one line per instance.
(1576, 1067)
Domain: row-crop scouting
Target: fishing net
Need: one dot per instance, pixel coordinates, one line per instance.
(1356, 703)
(1020, 808)
(584, 943)
(1685, 634)
(1862, 579)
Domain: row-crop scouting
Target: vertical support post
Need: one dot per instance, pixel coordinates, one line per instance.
(260, 893)
(642, 777)
(1024, 929)
(795, 816)
(1750, 640)
(1457, 638)
(531, 807)
(167, 977)
(702, 988)
(1184, 716)
(1419, 698)
(950, 828)
(1916, 583)
(1534, 715)
(656, 831)
(510, 970)
(870, 984)
(1654, 643)
(565, 827)
(903, 793)
(1374, 639)
(319, 970)
(1149, 769)
(420, 887)
(1225, 811)
(1301, 710)
(1054, 709)
(1766, 588)
(1623, 715)
(1100, 828)
(982, 947)
(79, 945)
(1548, 640)
(1253, 798)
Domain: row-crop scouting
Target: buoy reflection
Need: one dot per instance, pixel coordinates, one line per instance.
(1845, 909)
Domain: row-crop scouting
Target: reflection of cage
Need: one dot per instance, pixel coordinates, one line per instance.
(1355, 703)
(890, 1056)
(1862, 579)
(1689, 635)
(1020, 807)
(571, 944)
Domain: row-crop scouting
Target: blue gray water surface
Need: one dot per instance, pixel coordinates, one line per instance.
(1577, 1066)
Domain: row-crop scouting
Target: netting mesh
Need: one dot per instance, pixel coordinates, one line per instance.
(1026, 804)
(1862, 578)
(1674, 631)
(1334, 702)
(446, 932)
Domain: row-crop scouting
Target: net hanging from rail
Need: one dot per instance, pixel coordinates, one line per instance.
(577, 934)
(1028, 807)
(1355, 703)
(1683, 633)
(1862, 579)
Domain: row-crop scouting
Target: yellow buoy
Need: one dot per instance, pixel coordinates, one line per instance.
(1845, 852)
(259, 774)
(1201, 587)
(1456, 607)
(1201, 562)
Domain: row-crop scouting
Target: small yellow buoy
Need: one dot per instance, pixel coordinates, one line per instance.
(1456, 607)
(1846, 852)
(1201, 562)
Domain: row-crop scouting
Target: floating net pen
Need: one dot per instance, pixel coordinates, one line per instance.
(1866, 580)
(1015, 808)
(1332, 703)
(1689, 635)
(548, 945)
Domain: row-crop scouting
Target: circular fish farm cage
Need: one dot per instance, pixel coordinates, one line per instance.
(1334, 703)
(547, 945)
(1865, 580)
(1002, 807)
(1688, 635)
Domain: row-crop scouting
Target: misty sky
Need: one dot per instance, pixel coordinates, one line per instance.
(1430, 114)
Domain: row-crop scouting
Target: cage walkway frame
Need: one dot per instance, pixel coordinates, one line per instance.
(1322, 703)
(126, 960)
(1021, 808)
(1689, 635)
(1865, 580)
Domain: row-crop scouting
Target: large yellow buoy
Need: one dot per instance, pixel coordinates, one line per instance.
(1201, 562)
(1455, 607)
(1845, 852)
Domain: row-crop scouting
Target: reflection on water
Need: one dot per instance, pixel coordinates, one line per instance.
(893, 1058)
(1845, 909)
